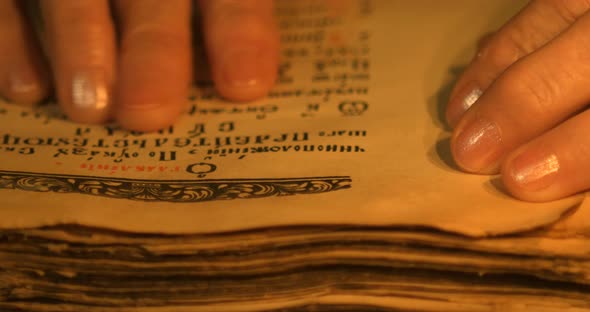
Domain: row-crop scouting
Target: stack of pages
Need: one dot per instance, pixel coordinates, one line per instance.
(335, 193)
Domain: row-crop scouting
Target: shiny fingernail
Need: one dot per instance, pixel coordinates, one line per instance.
(534, 171)
(478, 145)
(471, 98)
(91, 96)
(244, 67)
(463, 101)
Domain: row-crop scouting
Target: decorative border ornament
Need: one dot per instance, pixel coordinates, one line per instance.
(182, 191)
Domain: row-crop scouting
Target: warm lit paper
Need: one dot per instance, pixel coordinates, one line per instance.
(350, 135)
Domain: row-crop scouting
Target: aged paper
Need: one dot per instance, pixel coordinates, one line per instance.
(350, 135)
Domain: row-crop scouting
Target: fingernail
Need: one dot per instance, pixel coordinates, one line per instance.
(534, 171)
(244, 67)
(478, 145)
(471, 98)
(463, 101)
(23, 83)
(91, 94)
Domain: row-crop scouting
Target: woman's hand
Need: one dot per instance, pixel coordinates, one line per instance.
(520, 106)
(131, 60)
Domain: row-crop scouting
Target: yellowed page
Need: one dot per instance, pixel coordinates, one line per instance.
(350, 135)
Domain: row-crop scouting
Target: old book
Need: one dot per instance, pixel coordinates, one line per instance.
(335, 193)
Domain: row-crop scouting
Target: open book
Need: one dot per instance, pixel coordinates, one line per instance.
(348, 148)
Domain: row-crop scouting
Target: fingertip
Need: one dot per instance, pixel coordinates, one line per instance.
(86, 95)
(145, 100)
(464, 95)
(530, 174)
(512, 184)
(509, 179)
(246, 73)
(27, 88)
(476, 144)
(149, 117)
(242, 41)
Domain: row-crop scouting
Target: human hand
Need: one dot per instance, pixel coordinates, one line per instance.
(527, 91)
(131, 60)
